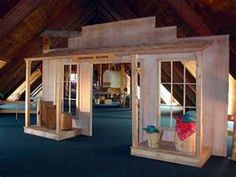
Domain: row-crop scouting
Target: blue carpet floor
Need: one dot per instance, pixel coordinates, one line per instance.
(106, 154)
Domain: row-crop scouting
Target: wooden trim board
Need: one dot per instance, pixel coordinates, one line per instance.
(142, 151)
(173, 47)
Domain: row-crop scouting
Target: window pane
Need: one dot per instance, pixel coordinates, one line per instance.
(165, 116)
(165, 93)
(190, 97)
(66, 90)
(73, 90)
(191, 67)
(65, 105)
(178, 72)
(189, 109)
(66, 73)
(165, 72)
(73, 107)
(178, 94)
(189, 77)
(74, 69)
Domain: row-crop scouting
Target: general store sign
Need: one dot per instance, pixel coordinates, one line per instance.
(96, 57)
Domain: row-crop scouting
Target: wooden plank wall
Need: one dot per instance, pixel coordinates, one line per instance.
(49, 80)
(148, 92)
(84, 119)
(123, 33)
(215, 72)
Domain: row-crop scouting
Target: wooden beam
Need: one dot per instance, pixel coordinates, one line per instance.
(60, 84)
(61, 33)
(16, 15)
(2, 63)
(3, 59)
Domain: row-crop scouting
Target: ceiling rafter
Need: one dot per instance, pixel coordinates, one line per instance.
(16, 15)
(198, 25)
(30, 27)
(76, 13)
(105, 8)
(88, 13)
(190, 17)
(110, 10)
(124, 10)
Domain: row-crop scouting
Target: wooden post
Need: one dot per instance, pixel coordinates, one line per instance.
(27, 93)
(16, 110)
(38, 112)
(199, 110)
(135, 116)
(158, 120)
(59, 96)
(122, 78)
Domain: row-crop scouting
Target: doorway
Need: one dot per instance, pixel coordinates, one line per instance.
(111, 100)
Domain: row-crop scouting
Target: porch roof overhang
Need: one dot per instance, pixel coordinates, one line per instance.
(144, 49)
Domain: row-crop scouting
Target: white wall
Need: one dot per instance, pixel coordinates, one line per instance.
(49, 80)
(148, 92)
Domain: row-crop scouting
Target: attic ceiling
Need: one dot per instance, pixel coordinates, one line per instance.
(22, 22)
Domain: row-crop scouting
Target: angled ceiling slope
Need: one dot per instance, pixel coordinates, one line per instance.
(21, 37)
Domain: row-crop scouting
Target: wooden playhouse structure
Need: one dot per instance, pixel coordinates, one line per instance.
(192, 71)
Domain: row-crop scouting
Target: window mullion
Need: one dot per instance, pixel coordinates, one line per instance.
(171, 88)
(184, 95)
(70, 88)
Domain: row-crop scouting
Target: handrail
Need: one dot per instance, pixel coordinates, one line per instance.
(37, 90)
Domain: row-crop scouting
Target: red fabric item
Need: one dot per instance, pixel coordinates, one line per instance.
(184, 129)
